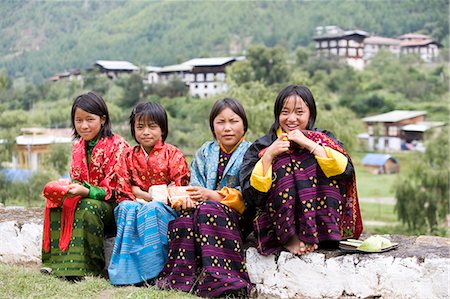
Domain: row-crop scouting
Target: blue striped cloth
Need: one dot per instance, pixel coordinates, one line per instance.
(141, 245)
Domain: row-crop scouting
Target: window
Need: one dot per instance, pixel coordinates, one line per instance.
(351, 51)
(210, 77)
(200, 77)
(333, 43)
(220, 76)
(392, 131)
(370, 130)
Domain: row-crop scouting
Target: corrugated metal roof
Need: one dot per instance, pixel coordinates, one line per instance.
(380, 40)
(377, 159)
(423, 126)
(209, 61)
(153, 68)
(414, 36)
(176, 68)
(117, 65)
(394, 116)
(39, 140)
(416, 43)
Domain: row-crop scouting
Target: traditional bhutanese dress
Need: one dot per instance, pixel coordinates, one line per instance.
(141, 244)
(206, 255)
(75, 244)
(307, 196)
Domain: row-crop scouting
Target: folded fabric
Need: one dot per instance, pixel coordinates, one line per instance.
(55, 192)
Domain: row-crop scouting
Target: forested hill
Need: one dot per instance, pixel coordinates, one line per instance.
(40, 38)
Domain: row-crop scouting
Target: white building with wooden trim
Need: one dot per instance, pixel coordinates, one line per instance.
(346, 44)
(422, 45)
(358, 47)
(203, 76)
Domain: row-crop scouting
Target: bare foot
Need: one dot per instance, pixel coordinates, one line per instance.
(295, 246)
(311, 247)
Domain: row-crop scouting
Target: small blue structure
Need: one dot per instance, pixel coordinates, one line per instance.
(380, 163)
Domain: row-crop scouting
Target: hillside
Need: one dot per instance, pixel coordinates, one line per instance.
(40, 38)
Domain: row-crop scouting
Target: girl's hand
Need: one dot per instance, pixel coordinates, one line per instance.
(279, 146)
(198, 193)
(184, 203)
(298, 137)
(77, 190)
(139, 193)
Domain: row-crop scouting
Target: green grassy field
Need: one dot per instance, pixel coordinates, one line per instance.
(27, 282)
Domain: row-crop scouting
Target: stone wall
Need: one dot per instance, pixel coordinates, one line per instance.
(419, 268)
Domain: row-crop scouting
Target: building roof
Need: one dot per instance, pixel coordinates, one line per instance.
(41, 136)
(377, 159)
(417, 43)
(211, 61)
(414, 36)
(328, 32)
(175, 68)
(394, 116)
(116, 65)
(151, 69)
(41, 140)
(423, 126)
(380, 40)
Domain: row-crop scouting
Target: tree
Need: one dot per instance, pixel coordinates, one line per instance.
(268, 64)
(133, 89)
(423, 194)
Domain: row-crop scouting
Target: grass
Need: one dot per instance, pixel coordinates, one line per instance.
(25, 282)
(373, 185)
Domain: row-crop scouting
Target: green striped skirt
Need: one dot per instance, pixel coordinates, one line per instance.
(93, 220)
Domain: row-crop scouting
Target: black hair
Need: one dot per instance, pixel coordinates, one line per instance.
(94, 104)
(150, 112)
(294, 90)
(222, 104)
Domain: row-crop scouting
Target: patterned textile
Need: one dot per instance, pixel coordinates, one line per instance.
(91, 218)
(305, 203)
(206, 256)
(302, 200)
(103, 165)
(141, 245)
(164, 164)
(204, 166)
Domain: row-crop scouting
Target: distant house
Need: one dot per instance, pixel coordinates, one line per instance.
(385, 130)
(422, 45)
(34, 143)
(358, 47)
(398, 130)
(74, 74)
(114, 68)
(380, 164)
(348, 44)
(203, 76)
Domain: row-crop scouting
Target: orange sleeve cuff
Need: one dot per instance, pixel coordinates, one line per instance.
(233, 199)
